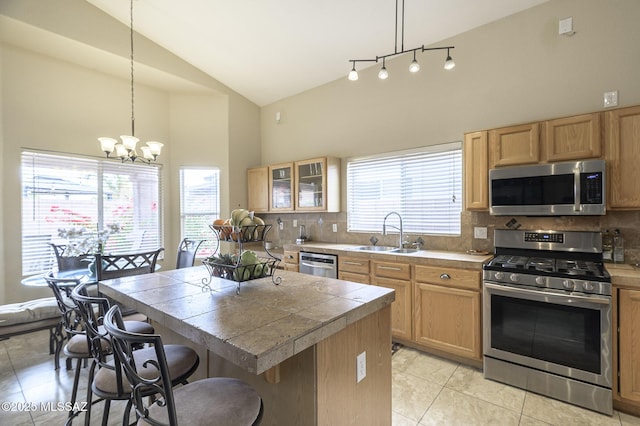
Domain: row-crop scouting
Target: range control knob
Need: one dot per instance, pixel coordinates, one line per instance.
(540, 280)
(588, 286)
(499, 275)
(568, 284)
(514, 277)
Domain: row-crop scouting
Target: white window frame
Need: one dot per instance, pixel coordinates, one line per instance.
(50, 179)
(207, 214)
(429, 200)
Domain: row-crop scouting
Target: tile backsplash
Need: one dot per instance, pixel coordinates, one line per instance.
(319, 227)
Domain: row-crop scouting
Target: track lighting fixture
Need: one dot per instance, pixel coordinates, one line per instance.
(414, 66)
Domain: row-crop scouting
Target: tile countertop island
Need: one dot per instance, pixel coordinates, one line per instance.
(295, 342)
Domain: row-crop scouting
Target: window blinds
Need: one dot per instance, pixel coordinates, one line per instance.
(63, 192)
(199, 205)
(424, 186)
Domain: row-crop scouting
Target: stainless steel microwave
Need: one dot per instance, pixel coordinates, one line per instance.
(554, 189)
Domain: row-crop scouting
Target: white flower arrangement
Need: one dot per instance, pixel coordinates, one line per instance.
(80, 242)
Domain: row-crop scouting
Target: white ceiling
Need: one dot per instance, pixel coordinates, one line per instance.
(267, 50)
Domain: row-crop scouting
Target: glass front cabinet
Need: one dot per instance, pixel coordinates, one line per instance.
(281, 187)
(317, 184)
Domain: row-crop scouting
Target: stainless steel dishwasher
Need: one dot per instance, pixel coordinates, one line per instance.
(321, 265)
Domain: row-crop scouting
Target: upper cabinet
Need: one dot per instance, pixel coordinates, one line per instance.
(281, 180)
(317, 184)
(622, 132)
(476, 171)
(258, 189)
(572, 138)
(510, 146)
(301, 186)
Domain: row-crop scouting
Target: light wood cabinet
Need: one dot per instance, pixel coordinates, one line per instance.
(514, 145)
(291, 260)
(476, 171)
(281, 179)
(628, 345)
(258, 189)
(572, 138)
(622, 132)
(354, 269)
(447, 310)
(398, 277)
(317, 185)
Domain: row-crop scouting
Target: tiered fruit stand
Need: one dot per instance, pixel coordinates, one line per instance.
(231, 266)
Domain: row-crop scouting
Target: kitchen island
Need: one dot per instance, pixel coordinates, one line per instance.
(296, 342)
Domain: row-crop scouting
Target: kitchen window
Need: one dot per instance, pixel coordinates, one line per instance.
(61, 192)
(423, 185)
(199, 205)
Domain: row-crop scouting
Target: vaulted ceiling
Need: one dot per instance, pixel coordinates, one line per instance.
(268, 50)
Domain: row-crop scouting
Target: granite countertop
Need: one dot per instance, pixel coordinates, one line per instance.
(260, 327)
(426, 257)
(624, 274)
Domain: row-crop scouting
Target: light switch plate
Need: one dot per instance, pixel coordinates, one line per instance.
(480, 232)
(334, 227)
(295, 223)
(610, 99)
(565, 26)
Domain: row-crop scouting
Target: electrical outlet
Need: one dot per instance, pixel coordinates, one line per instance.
(281, 225)
(361, 367)
(295, 223)
(334, 227)
(610, 99)
(480, 232)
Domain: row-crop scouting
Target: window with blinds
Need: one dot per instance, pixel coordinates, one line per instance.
(424, 186)
(72, 200)
(199, 205)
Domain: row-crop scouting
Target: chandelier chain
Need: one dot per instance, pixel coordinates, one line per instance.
(133, 119)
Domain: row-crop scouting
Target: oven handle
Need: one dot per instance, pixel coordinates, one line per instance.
(314, 265)
(565, 299)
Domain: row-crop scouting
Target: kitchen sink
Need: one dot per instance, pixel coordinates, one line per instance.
(404, 250)
(375, 248)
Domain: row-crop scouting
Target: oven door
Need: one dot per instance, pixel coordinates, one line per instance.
(549, 330)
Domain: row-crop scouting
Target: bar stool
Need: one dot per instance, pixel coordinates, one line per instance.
(107, 382)
(219, 401)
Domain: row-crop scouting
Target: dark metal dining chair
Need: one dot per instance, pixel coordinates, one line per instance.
(110, 266)
(219, 401)
(187, 251)
(69, 263)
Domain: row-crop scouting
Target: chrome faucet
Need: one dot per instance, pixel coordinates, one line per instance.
(384, 228)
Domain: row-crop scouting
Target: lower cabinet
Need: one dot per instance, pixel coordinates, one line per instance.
(447, 310)
(291, 259)
(398, 277)
(354, 269)
(628, 345)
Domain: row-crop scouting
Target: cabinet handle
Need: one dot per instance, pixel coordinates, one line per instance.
(352, 263)
(290, 257)
(390, 268)
(445, 276)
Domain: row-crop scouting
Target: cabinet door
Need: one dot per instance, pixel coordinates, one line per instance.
(258, 189)
(514, 145)
(622, 130)
(357, 265)
(572, 138)
(281, 187)
(629, 344)
(476, 171)
(400, 308)
(448, 319)
(311, 184)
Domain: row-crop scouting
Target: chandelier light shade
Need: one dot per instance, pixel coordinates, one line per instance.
(125, 150)
(414, 66)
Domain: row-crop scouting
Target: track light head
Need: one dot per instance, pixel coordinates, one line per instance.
(383, 74)
(448, 63)
(353, 74)
(414, 66)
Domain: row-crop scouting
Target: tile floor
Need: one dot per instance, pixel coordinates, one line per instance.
(426, 391)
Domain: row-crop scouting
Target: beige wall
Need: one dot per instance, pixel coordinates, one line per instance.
(515, 70)
(511, 71)
(58, 101)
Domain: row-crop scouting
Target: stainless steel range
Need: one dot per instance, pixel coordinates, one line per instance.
(547, 316)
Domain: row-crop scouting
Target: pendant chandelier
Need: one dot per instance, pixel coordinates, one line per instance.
(126, 149)
(414, 66)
